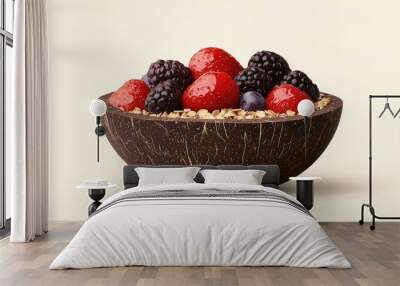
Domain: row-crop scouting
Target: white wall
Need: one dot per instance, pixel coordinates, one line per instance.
(350, 48)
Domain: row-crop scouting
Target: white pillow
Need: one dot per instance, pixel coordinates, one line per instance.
(163, 176)
(248, 177)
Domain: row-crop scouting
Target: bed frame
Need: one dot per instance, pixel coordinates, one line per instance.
(271, 177)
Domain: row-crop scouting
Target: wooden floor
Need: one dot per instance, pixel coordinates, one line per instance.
(375, 257)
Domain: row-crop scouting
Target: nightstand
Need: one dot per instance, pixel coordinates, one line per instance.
(96, 192)
(304, 190)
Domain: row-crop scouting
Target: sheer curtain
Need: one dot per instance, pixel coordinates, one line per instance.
(26, 124)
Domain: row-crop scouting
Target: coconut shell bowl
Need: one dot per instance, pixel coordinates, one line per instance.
(292, 142)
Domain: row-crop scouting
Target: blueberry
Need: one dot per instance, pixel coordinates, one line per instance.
(252, 101)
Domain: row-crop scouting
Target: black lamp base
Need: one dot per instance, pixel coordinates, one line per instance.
(96, 195)
(100, 130)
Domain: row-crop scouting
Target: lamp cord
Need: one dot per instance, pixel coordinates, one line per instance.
(98, 136)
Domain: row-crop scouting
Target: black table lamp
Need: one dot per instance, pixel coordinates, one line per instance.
(98, 108)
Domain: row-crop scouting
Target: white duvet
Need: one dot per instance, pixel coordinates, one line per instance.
(200, 231)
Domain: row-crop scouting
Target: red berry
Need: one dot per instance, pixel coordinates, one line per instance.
(131, 94)
(214, 90)
(284, 97)
(213, 60)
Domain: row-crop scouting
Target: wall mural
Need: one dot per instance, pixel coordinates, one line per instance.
(216, 112)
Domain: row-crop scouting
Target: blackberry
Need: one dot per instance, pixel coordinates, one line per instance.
(275, 65)
(300, 80)
(254, 79)
(165, 97)
(161, 70)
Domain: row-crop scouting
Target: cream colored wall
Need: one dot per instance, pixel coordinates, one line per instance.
(350, 48)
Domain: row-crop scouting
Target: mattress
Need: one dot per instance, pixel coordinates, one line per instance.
(201, 225)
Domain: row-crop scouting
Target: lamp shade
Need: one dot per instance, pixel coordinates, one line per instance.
(97, 107)
(305, 107)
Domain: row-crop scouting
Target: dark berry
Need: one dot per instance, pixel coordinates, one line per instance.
(169, 70)
(165, 97)
(300, 80)
(254, 79)
(252, 101)
(273, 64)
(146, 80)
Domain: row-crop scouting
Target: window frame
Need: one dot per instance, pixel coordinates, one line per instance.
(6, 39)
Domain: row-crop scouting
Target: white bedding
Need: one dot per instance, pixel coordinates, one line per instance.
(200, 231)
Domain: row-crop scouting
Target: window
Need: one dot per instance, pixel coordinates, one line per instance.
(6, 62)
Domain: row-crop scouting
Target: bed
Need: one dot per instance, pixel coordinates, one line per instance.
(201, 224)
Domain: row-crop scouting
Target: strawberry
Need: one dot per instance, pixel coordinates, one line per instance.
(131, 94)
(213, 60)
(213, 90)
(284, 97)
